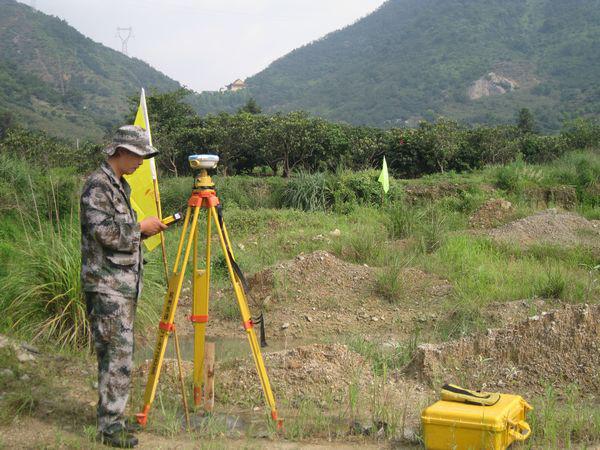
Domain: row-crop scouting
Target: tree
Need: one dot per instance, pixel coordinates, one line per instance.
(170, 119)
(235, 138)
(526, 122)
(439, 143)
(294, 140)
(250, 107)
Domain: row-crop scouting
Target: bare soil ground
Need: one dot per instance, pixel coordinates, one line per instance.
(318, 297)
(551, 226)
(557, 347)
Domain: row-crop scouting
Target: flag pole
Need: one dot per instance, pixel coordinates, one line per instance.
(164, 253)
(155, 183)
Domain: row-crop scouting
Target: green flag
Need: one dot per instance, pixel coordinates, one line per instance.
(384, 178)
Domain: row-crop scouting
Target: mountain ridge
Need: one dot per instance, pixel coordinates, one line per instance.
(55, 78)
(412, 60)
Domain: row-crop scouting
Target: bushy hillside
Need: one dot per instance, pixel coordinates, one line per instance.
(415, 59)
(54, 78)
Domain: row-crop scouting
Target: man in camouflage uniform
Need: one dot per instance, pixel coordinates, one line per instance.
(111, 272)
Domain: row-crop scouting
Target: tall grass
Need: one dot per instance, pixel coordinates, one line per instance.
(40, 286)
(403, 219)
(42, 296)
(389, 284)
(308, 192)
(564, 420)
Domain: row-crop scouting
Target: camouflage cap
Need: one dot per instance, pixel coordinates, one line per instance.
(132, 138)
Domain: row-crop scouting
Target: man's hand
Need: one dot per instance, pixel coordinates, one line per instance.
(151, 226)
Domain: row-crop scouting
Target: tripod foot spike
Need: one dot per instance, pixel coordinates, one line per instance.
(142, 417)
(278, 422)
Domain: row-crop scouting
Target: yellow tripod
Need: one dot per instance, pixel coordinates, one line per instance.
(203, 197)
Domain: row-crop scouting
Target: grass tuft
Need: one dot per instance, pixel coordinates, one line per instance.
(553, 285)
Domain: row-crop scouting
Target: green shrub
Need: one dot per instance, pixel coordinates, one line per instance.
(382, 359)
(51, 193)
(41, 295)
(564, 419)
(174, 194)
(509, 180)
(250, 192)
(582, 133)
(389, 284)
(362, 245)
(542, 149)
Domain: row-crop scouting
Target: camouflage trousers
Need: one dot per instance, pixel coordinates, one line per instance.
(111, 318)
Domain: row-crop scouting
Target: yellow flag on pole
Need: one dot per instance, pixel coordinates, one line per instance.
(384, 177)
(143, 182)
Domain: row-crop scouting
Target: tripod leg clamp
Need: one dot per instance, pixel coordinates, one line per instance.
(199, 319)
(248, 324)
(166, 326)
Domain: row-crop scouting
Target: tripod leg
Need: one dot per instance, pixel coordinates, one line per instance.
(168, 313)
(246, 320)
(181, 382)
(200, 312)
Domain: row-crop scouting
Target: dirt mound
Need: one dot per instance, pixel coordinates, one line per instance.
(318, 372)
(303, 295)
(317, 275)
(492, 213)
(558, 347)
(551, 226)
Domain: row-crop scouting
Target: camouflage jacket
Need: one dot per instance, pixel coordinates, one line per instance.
(111, 252)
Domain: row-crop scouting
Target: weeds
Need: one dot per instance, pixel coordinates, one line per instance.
(553, 285)
(564, 420)
(307, 192)
(382, 358)
(23, 387)
(362, 246)
(433, 229)
(389, 283)
(508, 179)
(43, 296)
(311, 421)
(403, 220)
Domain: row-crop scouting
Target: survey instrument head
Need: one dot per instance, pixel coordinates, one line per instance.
(206, 162)
(201, 164)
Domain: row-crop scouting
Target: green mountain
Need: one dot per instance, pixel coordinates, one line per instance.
(54, 78)
(477, 61)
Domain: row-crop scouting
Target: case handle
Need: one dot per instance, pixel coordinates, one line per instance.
(516, 431)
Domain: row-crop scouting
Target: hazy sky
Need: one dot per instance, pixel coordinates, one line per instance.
(206, 44)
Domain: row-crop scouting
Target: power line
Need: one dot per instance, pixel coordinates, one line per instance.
(124, 37)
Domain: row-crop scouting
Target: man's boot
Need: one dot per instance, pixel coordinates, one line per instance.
(117, 436)
(132, 426)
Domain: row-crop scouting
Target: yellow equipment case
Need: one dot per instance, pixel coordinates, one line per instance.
(456, 425)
